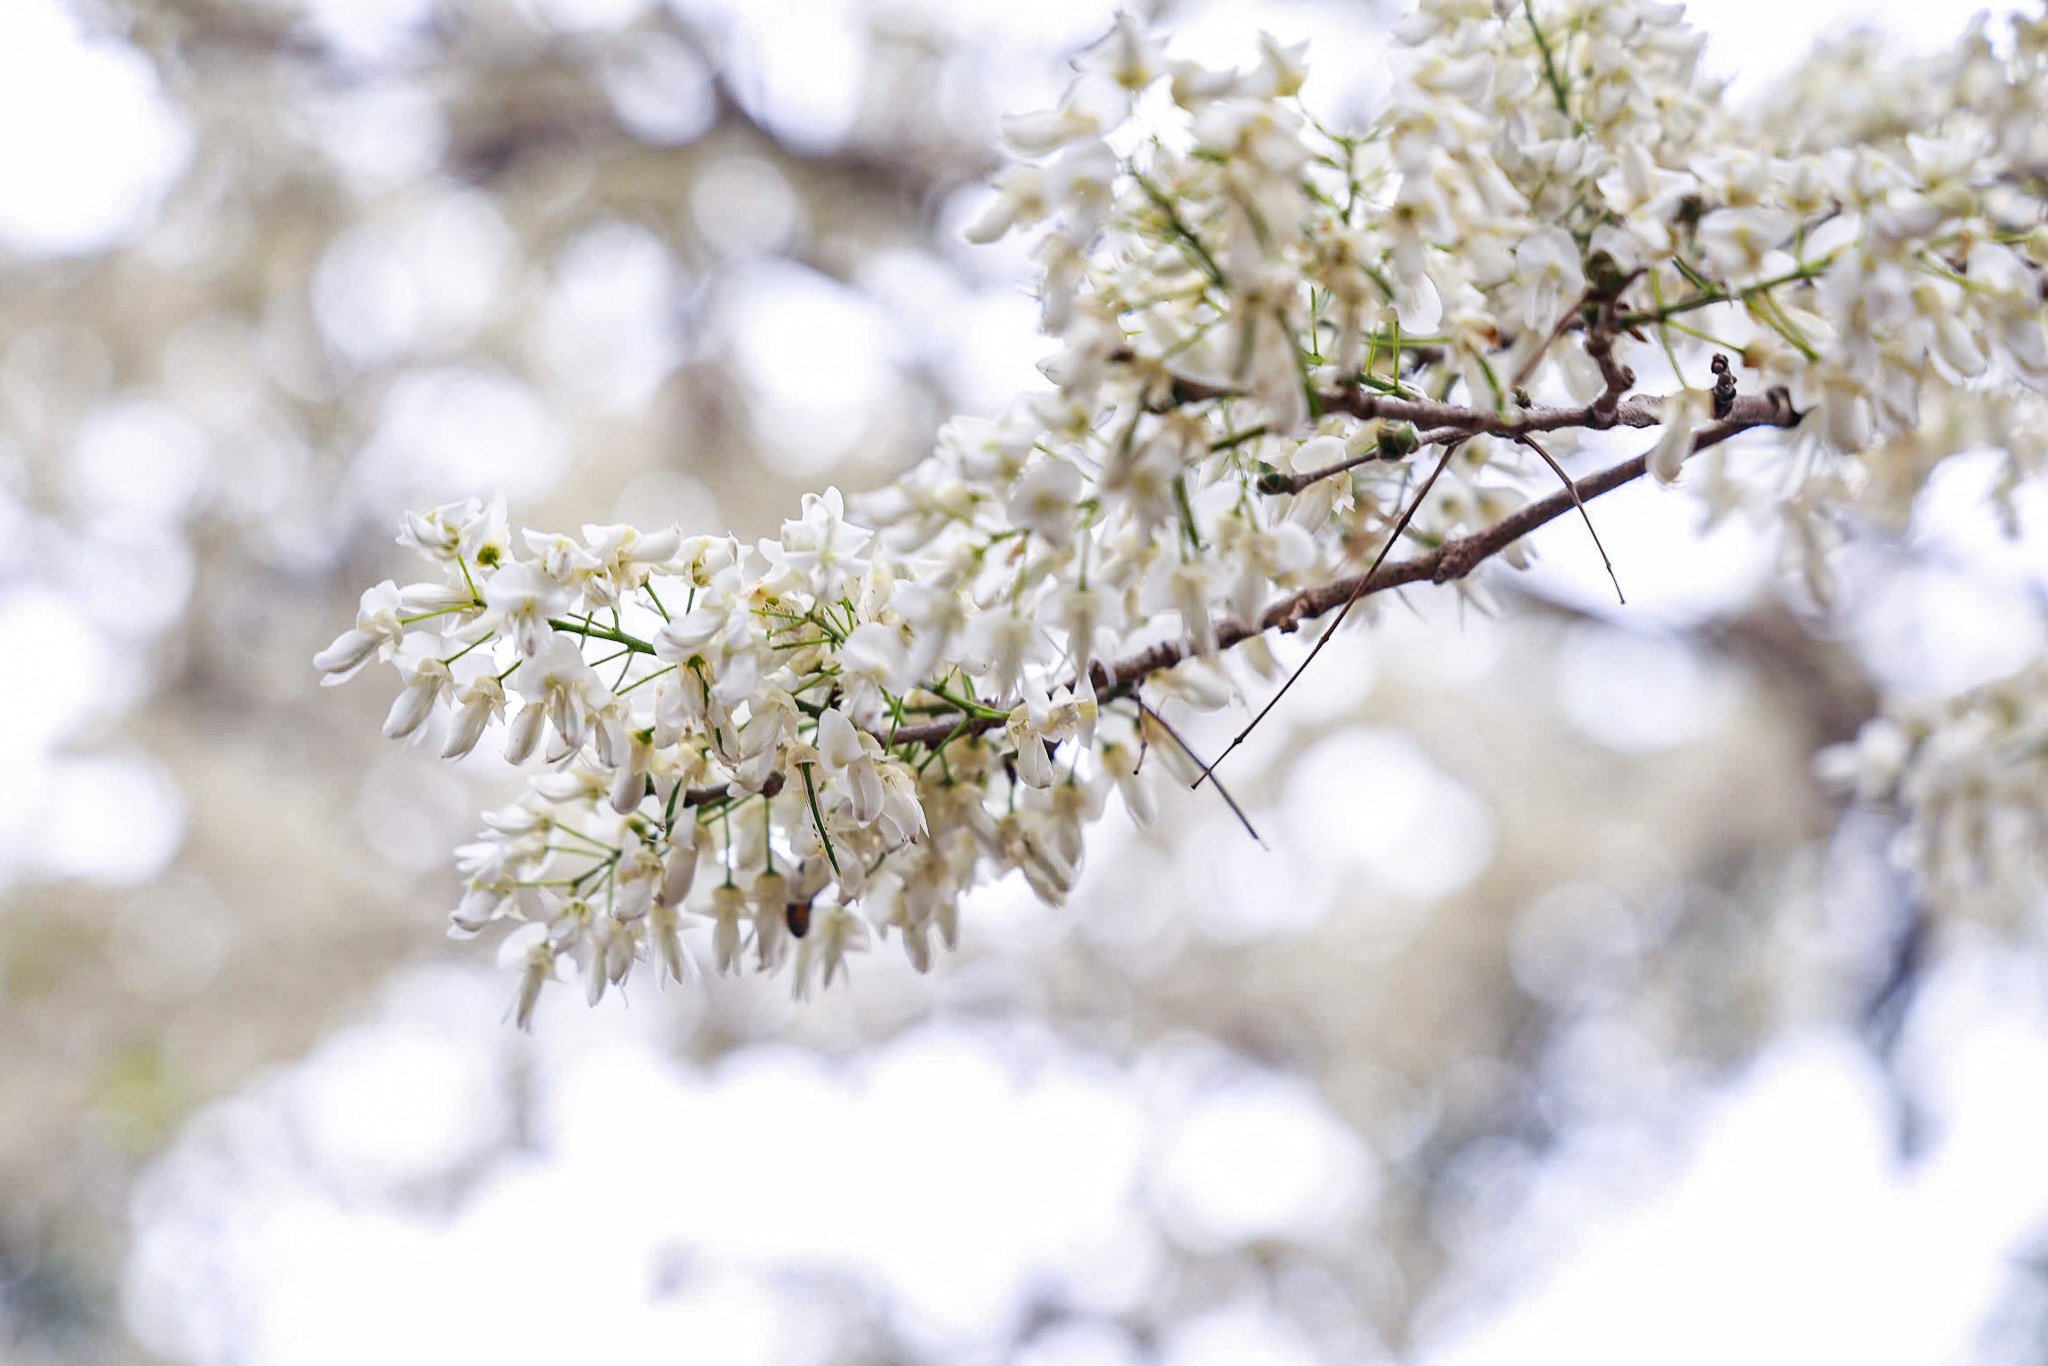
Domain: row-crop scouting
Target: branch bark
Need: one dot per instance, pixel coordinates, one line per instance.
(1450, 561)
(1761, 410)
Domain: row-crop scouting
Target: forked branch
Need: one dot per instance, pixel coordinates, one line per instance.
(1452, 560)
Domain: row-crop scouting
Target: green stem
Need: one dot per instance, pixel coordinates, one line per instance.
(1550, 71)
(596, 632)
(968, 705)
(1718, 296)
(818, 817)
(1238, 438)
(1181, 230)
(648, 678)
(940, 748)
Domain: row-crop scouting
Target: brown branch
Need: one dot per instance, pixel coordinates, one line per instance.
(1357, 591)
(1450, 561)
(1635, 412)
(1456, 422)
(718, 792)
(1187, 749)
(1616, 378)
(1605, 411)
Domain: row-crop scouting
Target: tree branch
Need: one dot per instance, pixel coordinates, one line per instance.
(1599, 415)
(1448, 562)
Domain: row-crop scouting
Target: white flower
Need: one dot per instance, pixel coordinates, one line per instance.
(1008, 641)
(836, 932)
(426, 678)
(758, 755)
(1047, 131)
(1871, 765)
(1019, 198)
(629, 780)
(605, 954)
(479, 700)
(622, 556)
(1092, 621)
(870, 659)
(665, 934)
(523, 736)
(1028, 728)
(528, 949)
(1262, 558)
(1124, 764)
(1736, 242)
(466, 530)
(690, 633)
(728, 906)
(1080, 185)
(1644, 197)
(482, 902)
(1042, 502)
(1028, 845)
(935, 611)
(1683, 413)
(1282, 69)
(902, 819)
(1547, 267)
(679, 870)
(434, 599)
(519, 599)
(1128, 56)
(821, 547)
(556, 679)
(771, 902)
(849, 755)
(1185, 588)
(376, 634)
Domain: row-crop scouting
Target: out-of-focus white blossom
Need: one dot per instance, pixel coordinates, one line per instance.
(1683, 414)
(1970, 778)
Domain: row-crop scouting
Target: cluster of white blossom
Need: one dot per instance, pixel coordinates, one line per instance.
(1969, 778)
(1283, 352)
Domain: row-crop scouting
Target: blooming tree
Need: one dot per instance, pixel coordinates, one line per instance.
(1297, 367)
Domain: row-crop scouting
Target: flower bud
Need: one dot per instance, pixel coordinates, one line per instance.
(1397, 441)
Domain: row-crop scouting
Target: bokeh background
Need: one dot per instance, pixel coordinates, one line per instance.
(1569, 1017)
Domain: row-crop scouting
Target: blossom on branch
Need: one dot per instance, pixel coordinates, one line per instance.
(1294, 366)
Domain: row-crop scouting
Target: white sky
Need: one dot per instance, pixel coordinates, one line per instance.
(1792, 1231)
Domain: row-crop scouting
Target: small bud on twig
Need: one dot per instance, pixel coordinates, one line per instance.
(1724, 386)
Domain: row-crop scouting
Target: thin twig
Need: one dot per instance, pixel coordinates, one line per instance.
(1407, 514)
(1277, 482)
(1188, 750)
(1535, 446)
(1571, 316)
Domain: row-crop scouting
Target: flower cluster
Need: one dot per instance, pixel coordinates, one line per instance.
(1283, 353)
(1969, 777)
(758, 736)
